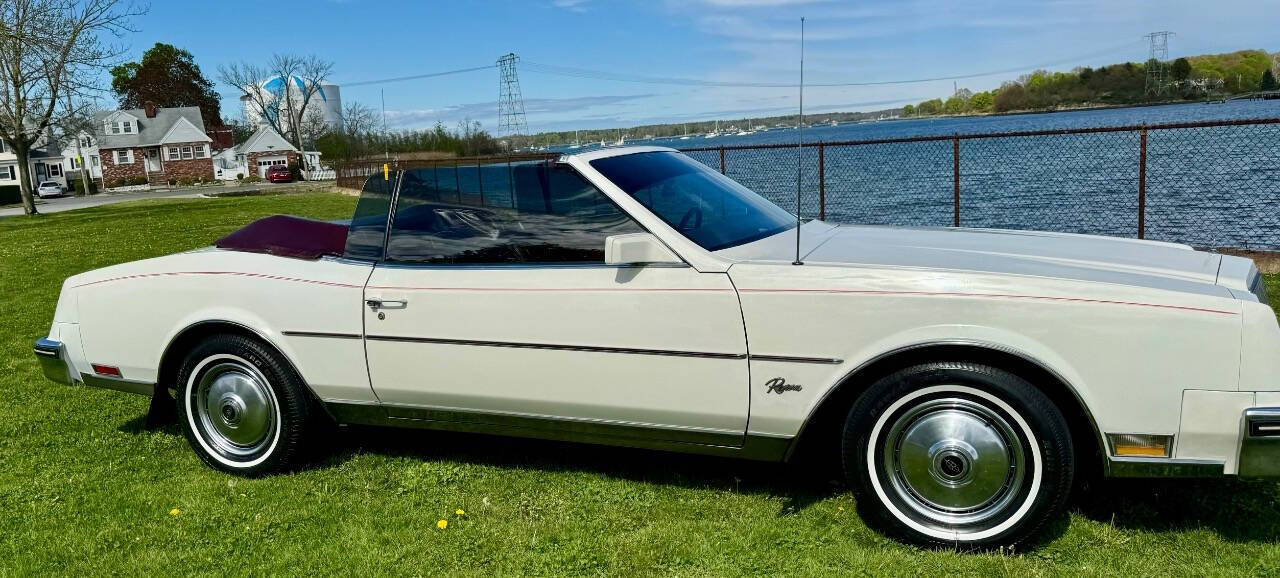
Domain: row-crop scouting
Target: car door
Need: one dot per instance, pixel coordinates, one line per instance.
(494, 306)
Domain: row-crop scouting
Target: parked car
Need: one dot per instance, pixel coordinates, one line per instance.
(279, 174)
(964, 380)
(50, 189)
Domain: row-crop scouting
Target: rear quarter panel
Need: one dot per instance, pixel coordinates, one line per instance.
(129, 313)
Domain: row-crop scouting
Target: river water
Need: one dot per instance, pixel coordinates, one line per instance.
(1210, 187)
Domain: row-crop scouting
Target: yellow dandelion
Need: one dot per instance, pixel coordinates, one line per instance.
(174, 512)
(442, 524)
(460, 512)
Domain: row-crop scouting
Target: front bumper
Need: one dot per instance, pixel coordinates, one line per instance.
(1257, 450)
(1260, 443)
(56, 364)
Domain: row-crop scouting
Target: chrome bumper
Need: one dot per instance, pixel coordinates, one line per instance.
(57, 367)
(53, 360)
(1260, 443)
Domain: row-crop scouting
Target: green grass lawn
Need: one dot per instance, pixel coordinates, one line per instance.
(86, 489)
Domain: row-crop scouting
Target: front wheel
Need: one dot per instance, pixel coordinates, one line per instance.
(959, 455)
(243, 409)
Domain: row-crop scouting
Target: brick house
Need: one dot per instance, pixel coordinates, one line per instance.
(157, 144)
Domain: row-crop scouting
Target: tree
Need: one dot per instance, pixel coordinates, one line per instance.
(51, 50)
(1181, 69)
(954, 105)
(908, 110)
(982, 102)
(167, 76)
(1268, 81)
(284, 105)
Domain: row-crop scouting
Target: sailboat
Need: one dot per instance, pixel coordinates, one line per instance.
(715, 133)
(686, 132)
(576, 143)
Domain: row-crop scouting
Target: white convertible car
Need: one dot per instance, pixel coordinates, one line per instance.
(963, 379)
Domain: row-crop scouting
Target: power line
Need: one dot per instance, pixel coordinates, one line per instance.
(419, 76)
(619, 77)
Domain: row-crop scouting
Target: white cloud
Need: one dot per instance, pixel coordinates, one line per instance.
(571, 5)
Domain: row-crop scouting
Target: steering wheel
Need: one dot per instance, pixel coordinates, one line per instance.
(694, 213)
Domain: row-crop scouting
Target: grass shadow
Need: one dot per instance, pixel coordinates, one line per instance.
(794, 484)
(1237, 510)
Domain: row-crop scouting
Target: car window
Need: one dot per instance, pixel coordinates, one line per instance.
(709, 208)
(48, 184)
(368, 226)
(502, 213)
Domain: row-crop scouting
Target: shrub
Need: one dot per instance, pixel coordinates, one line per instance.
(116, 183)
(79, 187)
(252, 179)
(239, 176)
(10, 194)
(186, 181)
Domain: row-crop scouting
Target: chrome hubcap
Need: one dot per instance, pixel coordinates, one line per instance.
(953, 462)
(236, 409)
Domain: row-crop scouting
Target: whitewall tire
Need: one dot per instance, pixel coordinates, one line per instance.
(957, 455)
(244, 410)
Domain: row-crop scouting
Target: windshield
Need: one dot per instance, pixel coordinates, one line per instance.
(707, 207)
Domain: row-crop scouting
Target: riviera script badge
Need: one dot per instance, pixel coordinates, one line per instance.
(779, 385)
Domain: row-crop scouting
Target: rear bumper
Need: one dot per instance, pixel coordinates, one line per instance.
(55, 363)
(53, 360)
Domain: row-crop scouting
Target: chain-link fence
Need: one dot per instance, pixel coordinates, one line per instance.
(1209, 184)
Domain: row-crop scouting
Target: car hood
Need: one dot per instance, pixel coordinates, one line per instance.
(1135, 262)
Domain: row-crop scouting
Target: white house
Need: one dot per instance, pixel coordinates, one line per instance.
(83, 148)
(264, 148)
(43, 164)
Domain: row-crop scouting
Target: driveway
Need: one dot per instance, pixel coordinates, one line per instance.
(71, 203)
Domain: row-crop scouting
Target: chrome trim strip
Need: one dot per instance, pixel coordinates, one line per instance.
(125, 385)
(795, 359)
(321, 334)
(1163, 468)
(555, 347)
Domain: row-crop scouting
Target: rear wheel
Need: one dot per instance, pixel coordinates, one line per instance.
(243, 408)
(956, 454)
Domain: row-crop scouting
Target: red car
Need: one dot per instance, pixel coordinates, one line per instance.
(279, 174)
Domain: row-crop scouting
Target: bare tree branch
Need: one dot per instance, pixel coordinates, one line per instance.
(51, 50)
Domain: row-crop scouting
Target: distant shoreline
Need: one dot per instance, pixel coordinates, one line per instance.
(1057, 110)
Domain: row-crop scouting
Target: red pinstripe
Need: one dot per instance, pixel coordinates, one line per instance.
(681, 290)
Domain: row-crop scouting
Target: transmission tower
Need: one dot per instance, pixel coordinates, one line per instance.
(510, 103)
(1157, 62)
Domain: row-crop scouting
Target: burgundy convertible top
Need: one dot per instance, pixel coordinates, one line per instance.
(288, 237)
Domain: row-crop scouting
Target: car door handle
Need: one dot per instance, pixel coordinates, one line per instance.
(375, 303)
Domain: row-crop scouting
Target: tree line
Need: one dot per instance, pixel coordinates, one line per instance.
(1196, 77)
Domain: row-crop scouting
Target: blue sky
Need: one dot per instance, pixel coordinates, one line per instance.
(717, 40)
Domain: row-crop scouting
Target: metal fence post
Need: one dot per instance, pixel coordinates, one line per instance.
(955, 177)
(1142, 183)
(722, 159)
(822, 183)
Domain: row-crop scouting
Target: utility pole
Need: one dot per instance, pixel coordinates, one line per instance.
(1157, 67)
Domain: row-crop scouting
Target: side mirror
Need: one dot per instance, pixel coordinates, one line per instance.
(637, 249)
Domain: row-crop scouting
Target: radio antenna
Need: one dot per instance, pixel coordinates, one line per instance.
(800, 146)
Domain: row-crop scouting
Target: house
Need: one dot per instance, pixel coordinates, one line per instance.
(153, 144)
(265, 147)
(82, 148)
(43, 164)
